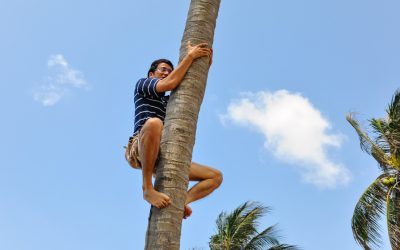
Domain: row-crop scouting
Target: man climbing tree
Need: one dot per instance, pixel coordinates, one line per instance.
(174, 163)
(150, 107)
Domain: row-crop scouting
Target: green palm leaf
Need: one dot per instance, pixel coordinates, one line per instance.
(268, 237)
(393, 110)
(368, 145)
(238, 230)
(385, 148)
(247, 223)
(367, 214)
(235, 229)
(393, 215)
(392, 132)
(380, 128)
(217, 239)
(283, 247)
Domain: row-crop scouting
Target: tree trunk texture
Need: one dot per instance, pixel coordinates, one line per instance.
(172, 170)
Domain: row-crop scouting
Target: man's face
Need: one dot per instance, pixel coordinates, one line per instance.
(162, 71)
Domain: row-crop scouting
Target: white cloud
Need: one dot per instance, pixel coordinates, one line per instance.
(294, 131)
(61, 79)
(48, 95)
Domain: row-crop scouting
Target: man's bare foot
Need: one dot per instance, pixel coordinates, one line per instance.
(155, 198)
(187, 212)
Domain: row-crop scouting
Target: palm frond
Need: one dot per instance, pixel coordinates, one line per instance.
(367, 213)
(387, 135)
(393, 109)
(284, 247)
(392, 132)
(246, 227)
(235, 229)
(393, 215)
(380, 129)
(268, 237)
(217, 240)
(238, 230)
(368, 145)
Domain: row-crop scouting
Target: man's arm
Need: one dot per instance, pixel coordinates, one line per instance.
(176, 76)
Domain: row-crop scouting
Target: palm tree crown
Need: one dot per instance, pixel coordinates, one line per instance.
(238, 230)
(383, 195)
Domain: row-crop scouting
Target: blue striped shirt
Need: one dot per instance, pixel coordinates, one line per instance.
(148, 102)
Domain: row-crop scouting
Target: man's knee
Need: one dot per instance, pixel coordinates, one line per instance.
(217, 178)
(155, 125)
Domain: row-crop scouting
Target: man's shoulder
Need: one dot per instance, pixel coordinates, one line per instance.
(147, 80)
(143, 79)
(147, 87)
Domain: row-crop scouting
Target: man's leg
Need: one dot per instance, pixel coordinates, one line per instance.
(149, 144)
(208, 180)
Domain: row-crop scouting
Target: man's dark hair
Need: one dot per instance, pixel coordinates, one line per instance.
(155, 64)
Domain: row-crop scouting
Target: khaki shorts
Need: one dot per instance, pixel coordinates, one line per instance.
(132, 152)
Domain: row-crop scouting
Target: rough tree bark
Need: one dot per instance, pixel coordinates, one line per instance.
(172, 176)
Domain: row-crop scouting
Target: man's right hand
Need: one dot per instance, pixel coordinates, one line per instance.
(175, 77)
(199, 50)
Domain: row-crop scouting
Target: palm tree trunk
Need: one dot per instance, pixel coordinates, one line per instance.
(172, 176)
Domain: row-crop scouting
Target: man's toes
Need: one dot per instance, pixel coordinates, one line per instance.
(187, 212)
(166, 203)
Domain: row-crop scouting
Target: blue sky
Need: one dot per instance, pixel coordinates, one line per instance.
(284, 76)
